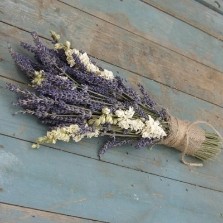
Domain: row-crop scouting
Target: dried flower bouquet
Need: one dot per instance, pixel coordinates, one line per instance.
(76, 98)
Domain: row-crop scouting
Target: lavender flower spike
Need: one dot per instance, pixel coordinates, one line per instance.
(77, 99)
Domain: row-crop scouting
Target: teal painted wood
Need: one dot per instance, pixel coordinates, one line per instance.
(154, 161)
(213, 4)
(16, 214)
(159, 27)
(160, 160)
(65, 183)
(52, 179)
(193, 13)
(137, 54)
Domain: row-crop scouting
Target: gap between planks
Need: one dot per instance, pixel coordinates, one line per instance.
(141, 36)
(27, 31)
(181, 19)
(119, 165)
(211, 6)
(150, 197)
(48, 215)
(145, 171)
(200, 86)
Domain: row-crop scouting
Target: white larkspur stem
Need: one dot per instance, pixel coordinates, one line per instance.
(84, 58)
(148, 128)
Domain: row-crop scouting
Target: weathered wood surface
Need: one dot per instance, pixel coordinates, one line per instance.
(149, 23)
(193, 13)
(127, 50)
(17, 214)
(65, 183)
(213, 4)
(179, 104)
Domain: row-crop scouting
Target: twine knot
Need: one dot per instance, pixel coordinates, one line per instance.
(186, 137)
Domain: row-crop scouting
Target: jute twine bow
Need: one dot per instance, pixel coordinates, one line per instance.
(186, 137)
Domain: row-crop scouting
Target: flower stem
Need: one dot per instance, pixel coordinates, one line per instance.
(120, 135)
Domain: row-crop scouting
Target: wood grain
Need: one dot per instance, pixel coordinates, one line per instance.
(213, 4)
(160, 160)
(161, 28)
(67, 180)
(192, 13)
(68, 184)
(154, 161)
(119, 47)
(16, 214)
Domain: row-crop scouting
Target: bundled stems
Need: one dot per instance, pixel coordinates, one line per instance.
(78, 99)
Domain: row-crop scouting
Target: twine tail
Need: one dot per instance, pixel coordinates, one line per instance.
(192, 140)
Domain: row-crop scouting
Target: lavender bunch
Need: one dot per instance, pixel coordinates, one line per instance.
(76, 98)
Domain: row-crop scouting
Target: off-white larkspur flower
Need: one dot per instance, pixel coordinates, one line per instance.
(153, 129)
(65, 134)
(120, 113)
(147, 128)
(129, 113)
(109, 119)
(124, 123)
(106, 110)
(55, 36)
(136, 125)
(38, 77)
(84, 58)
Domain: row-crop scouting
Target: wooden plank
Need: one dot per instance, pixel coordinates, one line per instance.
(193, 13)
(154, 161)
(213, 4)
(160, 160)
(121, 48)
(12, 214)
(148, 22)
(64, 183)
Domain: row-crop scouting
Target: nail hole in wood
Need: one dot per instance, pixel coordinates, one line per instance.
(217, 4)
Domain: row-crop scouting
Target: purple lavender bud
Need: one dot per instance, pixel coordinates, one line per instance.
(143, 142)
(71, 95)
(113, 143)
(23, 62)
(29, 47)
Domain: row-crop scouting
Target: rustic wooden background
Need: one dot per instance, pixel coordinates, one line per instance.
(175, 49)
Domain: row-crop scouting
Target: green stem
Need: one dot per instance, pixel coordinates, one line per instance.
(78, 85)
(64, 115)
(101, 102)
(94, 97)
(66, 74)
(141, 105)
(120, 135)
(98, 94)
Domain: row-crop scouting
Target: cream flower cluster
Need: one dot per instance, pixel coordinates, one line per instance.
(124, 119)
(55, 36)
(64, 134)
(152, 129)
(106, 117)
(38, 77)
(93, 68)
(84, 58)
(147, 128)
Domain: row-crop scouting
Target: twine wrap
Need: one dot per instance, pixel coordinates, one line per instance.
(186, 137)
